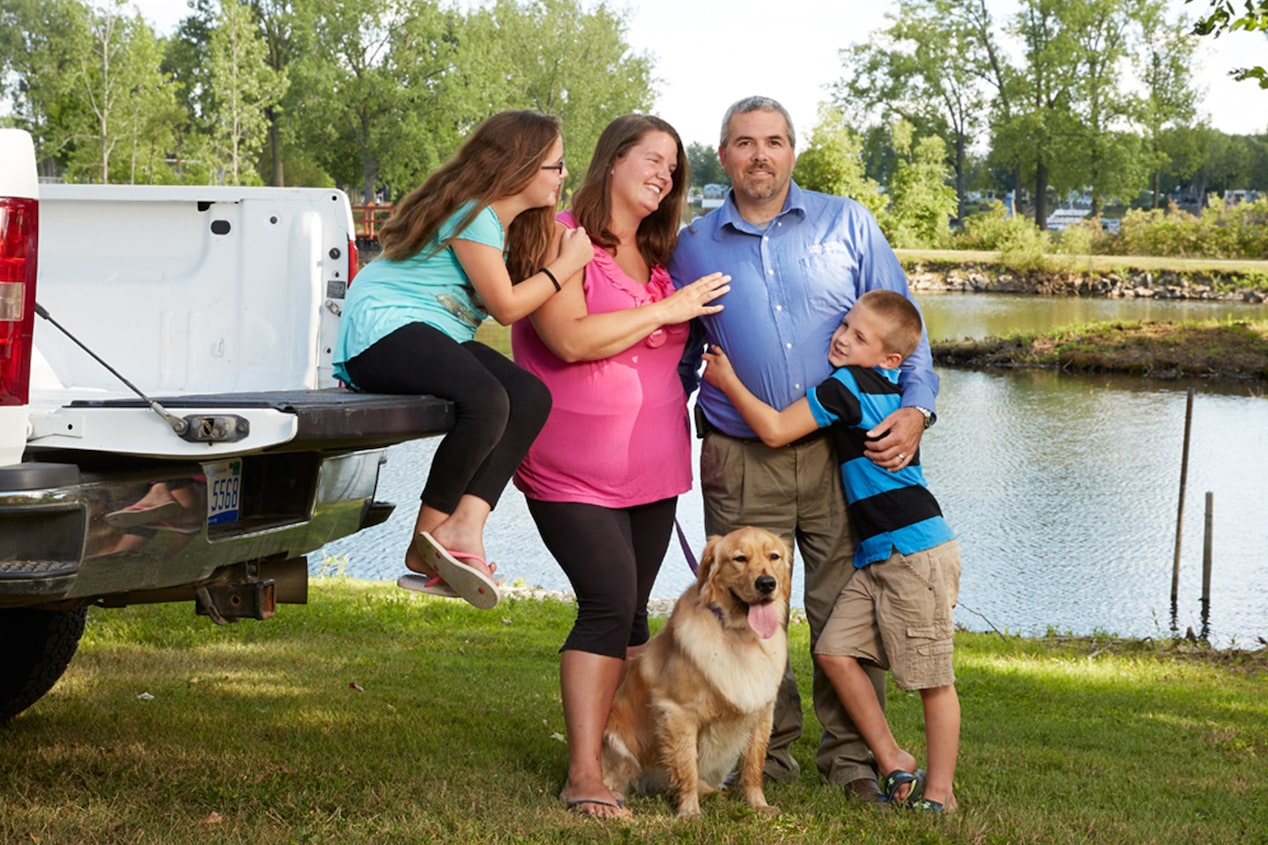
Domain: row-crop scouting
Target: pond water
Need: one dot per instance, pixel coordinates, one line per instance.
(1063, 490)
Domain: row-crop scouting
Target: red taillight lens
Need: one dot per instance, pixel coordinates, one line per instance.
(19, 235)
(354, 256)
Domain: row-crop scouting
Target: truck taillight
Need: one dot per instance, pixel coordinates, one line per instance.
(353, 257)
(19, 233)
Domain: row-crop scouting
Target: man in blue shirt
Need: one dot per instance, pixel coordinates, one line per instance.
(797, 261)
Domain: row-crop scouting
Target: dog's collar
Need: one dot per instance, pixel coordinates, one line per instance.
(717, 611)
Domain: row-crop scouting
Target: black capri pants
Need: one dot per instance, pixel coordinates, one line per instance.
(499, 407)
(611, 556)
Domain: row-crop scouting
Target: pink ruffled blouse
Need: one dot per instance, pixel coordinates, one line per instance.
(618, 434)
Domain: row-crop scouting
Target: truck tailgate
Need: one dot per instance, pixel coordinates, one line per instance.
(283, 420)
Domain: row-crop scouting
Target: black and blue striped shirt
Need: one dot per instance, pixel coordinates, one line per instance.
(889, 510)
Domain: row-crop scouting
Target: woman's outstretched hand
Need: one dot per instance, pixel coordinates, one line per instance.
(697, 298)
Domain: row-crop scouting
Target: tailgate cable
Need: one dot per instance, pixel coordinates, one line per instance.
(194, 428)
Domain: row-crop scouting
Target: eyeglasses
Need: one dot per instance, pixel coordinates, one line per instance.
(558, 168)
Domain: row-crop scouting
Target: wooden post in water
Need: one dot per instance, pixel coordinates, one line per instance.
(1206, 551)
(1184, 479)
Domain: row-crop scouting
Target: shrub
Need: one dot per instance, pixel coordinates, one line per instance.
(1018, 241)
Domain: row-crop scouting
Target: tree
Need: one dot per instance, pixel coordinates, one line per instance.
(1224, 17)
(1108, 160)
(556, 57)
(1042, 130)
(243, 88)
(925, 68)
(40, 40)
(921, 200)
(1163, 64)
(706, 167)
(832, 162)
(114, 88)
(371, 94)
(275, 20)
(155, 120)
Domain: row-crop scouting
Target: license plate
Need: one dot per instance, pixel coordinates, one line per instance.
(224, 489)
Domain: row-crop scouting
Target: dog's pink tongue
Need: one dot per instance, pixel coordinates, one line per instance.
(764, 619)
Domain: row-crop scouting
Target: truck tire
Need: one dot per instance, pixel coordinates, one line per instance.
(38, 646)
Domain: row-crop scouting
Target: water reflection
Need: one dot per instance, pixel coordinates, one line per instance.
(1063, 489)
(954, 316)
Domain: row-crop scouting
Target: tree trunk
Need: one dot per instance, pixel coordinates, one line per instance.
(1041, 195)
(277, 178)
(959, 176)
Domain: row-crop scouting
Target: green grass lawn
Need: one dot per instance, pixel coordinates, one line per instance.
(373, 715)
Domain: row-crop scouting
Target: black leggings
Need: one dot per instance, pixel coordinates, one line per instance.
(612, 557)
(499, 407)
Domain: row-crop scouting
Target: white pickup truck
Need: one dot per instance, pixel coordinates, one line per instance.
(170, 429)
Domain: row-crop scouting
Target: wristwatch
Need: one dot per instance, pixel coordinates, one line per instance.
(927, 414)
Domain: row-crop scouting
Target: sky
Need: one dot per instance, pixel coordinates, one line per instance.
(709, 53)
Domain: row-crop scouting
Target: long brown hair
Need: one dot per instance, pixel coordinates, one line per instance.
(592, 202)
(499, 159)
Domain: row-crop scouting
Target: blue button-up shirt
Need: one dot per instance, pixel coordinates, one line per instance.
(791, 283)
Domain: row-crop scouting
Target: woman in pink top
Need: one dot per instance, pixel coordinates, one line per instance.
(603, 476)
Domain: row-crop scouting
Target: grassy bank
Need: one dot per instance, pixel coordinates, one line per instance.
(1213, 348)
(372, 715)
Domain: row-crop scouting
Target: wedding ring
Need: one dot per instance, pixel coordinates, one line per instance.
(901, 456)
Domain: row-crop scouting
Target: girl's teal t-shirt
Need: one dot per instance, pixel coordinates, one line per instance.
(425, 288)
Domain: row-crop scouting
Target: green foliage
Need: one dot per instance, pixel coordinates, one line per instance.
(244, 87)
(1240, 231)
(1237, 232)
(1081, 238)
(1225, 16)
(832, 163)
(380, 91)
(921, 201)
(706, 168)
(559, 57)
(1020, 243)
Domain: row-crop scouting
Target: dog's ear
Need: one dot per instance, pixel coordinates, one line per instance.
(707, 559)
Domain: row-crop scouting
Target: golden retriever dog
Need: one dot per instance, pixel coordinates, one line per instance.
(701, 693)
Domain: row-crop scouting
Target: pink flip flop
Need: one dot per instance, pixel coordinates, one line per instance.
(467, 581)
(433, 586)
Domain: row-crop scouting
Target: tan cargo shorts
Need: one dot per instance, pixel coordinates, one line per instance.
(897, 614)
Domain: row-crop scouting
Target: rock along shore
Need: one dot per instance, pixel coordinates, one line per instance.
(1128, 284)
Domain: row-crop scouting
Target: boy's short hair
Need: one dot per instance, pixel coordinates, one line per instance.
(902, 319)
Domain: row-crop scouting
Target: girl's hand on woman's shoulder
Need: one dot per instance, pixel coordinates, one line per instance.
(575, 251)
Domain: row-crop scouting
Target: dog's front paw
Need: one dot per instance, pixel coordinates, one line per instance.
(688, 809)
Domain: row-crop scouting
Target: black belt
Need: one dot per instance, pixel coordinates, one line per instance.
(703, 427)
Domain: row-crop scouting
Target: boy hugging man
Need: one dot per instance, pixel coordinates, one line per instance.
(895, 611)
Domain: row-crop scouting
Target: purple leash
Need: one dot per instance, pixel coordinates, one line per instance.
(686, 548)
